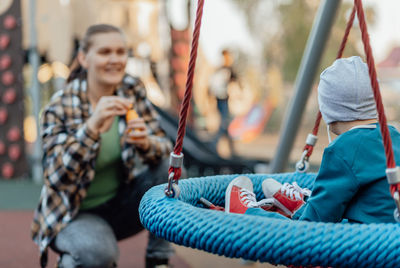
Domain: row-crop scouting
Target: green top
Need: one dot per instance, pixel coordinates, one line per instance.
(106, 179)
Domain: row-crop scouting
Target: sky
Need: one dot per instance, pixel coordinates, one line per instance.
(386, 32)
(224, 25)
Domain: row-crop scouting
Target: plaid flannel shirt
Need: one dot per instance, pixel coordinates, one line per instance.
(70, 152)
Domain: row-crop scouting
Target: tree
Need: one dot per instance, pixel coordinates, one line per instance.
(293, 19)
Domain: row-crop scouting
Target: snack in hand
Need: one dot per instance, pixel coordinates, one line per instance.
(130, 115)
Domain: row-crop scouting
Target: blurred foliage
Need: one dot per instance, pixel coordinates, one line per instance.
(296, 17)
(283, 27)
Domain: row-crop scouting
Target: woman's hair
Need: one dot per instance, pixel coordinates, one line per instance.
(77, 70)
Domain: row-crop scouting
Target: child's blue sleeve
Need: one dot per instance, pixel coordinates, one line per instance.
(333, 189)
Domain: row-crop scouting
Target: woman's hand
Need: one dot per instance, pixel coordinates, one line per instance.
(106, 109)
(137, 134)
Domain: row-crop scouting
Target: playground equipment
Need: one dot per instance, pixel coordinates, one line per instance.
(277, 241)
(247, 127)
(201, 158)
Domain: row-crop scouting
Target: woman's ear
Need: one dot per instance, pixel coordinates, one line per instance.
(82, 59)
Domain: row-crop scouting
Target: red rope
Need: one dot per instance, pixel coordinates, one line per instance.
(189, 85)
(346, 33)
(308, 147)
(387, 141)
(350, 22)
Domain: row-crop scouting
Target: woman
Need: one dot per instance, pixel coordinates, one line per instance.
(92, 186)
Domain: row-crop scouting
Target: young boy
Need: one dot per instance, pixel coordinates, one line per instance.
(351, 183)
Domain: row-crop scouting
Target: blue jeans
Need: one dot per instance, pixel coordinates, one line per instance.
(223, 109)
(90, 239)
(222, 105)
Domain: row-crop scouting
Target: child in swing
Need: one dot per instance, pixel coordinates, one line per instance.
(351, 183)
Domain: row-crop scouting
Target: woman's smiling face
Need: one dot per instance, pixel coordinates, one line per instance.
(106, 58)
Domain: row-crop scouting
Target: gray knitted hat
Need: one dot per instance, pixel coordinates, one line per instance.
(345, 92)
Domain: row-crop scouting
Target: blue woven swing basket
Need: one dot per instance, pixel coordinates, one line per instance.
(184, 222)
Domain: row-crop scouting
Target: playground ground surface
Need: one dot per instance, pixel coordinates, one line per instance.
(17, 249)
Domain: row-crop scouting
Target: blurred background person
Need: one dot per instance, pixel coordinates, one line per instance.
(218, 88)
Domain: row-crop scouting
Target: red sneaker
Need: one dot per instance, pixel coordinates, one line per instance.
(288, 198)
(239, 195)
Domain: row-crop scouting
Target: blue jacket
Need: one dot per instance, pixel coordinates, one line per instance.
(351, 183)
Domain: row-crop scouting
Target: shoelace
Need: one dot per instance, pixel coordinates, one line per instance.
(248, 198)
(294, 191)
(266, 202)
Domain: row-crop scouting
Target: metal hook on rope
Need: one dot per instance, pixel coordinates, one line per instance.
(393, 177)
(302, 165)
(396, 213)
(172, 189)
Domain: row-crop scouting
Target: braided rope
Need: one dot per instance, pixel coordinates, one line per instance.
(350, 22)
(257, 238)
(189, 80)
(346, 33)
(177, 171)
(387, 141)
(375, 86)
